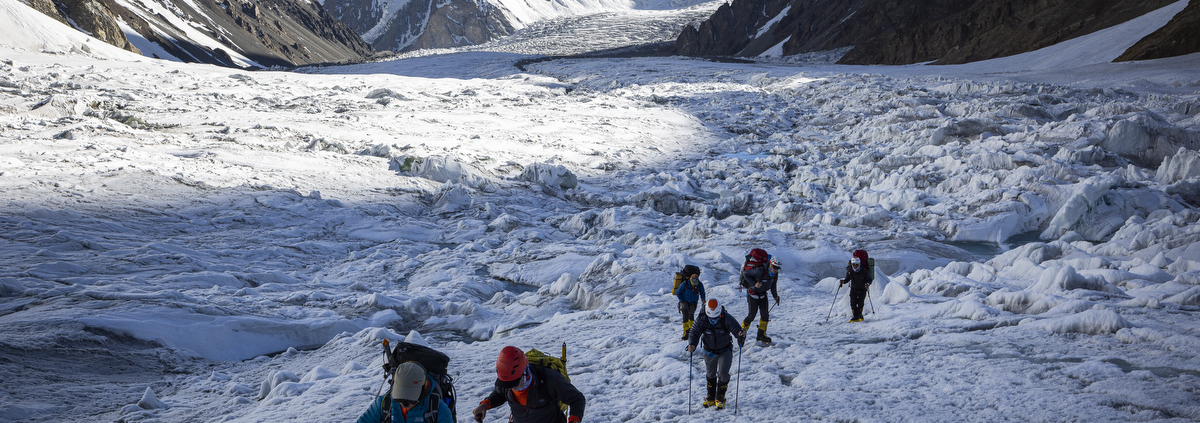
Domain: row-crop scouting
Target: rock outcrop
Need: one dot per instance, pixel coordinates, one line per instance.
(235, 33)
(1179, 37)
(90, 16)
(896, 32)
(422, 24)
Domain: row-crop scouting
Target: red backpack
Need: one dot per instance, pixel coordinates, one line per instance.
(867, 263)
(757, 258)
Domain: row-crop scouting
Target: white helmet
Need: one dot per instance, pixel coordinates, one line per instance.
(712, 309)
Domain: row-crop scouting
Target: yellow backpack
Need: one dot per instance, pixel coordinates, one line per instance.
(545, 360)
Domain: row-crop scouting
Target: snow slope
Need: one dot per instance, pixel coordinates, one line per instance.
(193, 243)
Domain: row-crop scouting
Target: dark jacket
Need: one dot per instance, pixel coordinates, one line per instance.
(541, 403)
(761, 274)
(860, 279)
(687, 294)
(416, 415)
(717, 337)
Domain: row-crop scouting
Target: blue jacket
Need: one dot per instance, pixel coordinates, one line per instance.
(687, 294)
(416, 415)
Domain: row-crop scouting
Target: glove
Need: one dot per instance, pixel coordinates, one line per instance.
(481, 410)
(691, 348)
(776, 300)
(574, 419)
(841, 282)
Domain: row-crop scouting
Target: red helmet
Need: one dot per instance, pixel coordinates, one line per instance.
(758, 256)
(510, 366)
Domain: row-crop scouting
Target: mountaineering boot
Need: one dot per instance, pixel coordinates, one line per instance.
(687, 326)
(721, 395)
(745, 325)
(762, 332)
(711, 399)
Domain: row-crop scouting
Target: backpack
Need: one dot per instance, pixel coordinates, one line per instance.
(684, 276)
(436, 366)
(868, 263)
(548, 361)
(757, 258)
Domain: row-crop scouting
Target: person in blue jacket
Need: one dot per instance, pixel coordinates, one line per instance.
(408, 400)
(689, 293)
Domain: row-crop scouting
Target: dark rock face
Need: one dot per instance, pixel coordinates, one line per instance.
(895, 32)
(423, 24)
(268, 32)
(1179, 37)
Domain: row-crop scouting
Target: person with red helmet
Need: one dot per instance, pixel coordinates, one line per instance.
(531, 391)
(717, 329)
(859, 277)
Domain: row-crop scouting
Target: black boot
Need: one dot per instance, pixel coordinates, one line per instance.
(762, 337)
(711, 399)
(721, 395)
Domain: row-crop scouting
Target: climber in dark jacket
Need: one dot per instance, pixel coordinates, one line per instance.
(717, 329)
(859, 278)
(531, 391)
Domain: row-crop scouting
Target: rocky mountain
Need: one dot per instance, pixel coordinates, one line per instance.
(409, 25)
(896, 32)
(1180, 36)
(235, 33)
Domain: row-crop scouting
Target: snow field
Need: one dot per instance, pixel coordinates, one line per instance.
(190, 243)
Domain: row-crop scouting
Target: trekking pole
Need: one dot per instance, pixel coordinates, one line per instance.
(737, 386)
(835, 294)
(691, 370)
(872, 302)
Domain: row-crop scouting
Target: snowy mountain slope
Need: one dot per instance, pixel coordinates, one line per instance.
(258, 34)
(237, 244)
(404, 25)
(40, 33)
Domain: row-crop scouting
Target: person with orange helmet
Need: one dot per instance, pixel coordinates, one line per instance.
(531, 391)
(717, 329)
(689, 291)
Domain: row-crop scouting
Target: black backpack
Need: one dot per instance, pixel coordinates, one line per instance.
(436, 366)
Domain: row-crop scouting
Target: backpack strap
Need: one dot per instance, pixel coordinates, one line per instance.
(539, 373)
(385, 410)
(434, 400)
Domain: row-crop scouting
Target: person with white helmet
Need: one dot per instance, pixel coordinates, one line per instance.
(717, 328)
(859, 278)
(760, 276)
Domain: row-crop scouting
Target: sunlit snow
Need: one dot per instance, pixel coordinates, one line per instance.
(194, 243)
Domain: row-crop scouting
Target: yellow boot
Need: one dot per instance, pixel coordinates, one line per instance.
(762, 332)
(687, 326)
